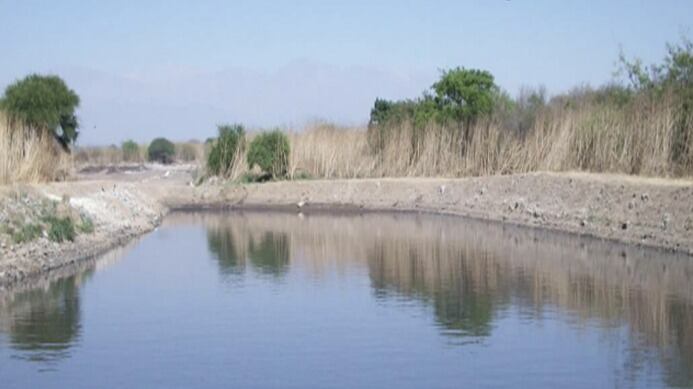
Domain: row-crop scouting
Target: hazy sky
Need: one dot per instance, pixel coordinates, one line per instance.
(177, 68)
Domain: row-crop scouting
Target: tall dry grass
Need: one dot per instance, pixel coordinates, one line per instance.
(29, 156)
(186, 152)
(108, 155)
(327, 151)
(638, 138)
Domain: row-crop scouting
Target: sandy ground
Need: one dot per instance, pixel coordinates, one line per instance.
(127, 203)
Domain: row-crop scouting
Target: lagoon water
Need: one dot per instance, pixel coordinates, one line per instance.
(353, 301)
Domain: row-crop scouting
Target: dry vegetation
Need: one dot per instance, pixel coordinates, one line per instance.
(188, 152)
(29, 156)
(636, 139)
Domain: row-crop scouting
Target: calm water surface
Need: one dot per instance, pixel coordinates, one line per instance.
(347, 301)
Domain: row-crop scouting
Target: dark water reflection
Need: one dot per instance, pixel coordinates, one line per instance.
(47, 320)
(268, 253)
(281, 297)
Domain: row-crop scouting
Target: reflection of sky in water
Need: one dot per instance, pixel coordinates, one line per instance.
(352, 301)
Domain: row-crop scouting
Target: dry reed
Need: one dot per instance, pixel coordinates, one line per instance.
(638, 138)
(635, 139)
(29, 156)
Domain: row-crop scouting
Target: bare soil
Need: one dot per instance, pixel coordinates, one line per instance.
(125, 203)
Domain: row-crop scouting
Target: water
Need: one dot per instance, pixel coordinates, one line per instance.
(347, 301)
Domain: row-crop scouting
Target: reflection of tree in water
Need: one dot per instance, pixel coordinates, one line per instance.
(462, 303)
(470, 274)
(233, 245)
(221, 243)
(680, 368)
(271, 254)
(468, 282)
(46, 322)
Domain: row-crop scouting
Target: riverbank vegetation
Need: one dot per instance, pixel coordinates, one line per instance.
(38, 126)
(464, 124)
(32, 217)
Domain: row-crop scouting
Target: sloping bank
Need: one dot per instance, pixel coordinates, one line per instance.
(648, 212)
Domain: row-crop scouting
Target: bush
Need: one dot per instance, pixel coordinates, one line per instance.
(44, 103)
(26, 233)
(161, 150)
(131, 151)
(270, 152)
(60, 229)
(224, 150)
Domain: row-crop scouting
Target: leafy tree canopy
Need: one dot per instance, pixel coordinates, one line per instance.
(465, 94)
(161, 150)
(44, 103)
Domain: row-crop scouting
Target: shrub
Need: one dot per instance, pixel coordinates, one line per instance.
(270, 152)
(161, 150)
(131, 151)
(223, 153)
(86, 225)
(26, 233)
(60, 229)
(44, 103)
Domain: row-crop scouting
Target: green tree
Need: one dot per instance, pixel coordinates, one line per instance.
(465, 94)
(44, 103)
(270, 152)
(224, 149)
(131, 151)
(161, 150)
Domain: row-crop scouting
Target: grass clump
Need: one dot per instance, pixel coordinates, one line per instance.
(270, 152)
(60, 229)
(26, 233)
(86, 225)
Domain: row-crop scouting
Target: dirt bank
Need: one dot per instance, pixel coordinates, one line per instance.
(649, 212)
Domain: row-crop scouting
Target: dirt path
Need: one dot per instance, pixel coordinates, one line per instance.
(649, 212)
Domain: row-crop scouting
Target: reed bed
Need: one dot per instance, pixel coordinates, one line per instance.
(328, 151)
(29, 156)
(640, 138)
(647, 136)
(186, 152)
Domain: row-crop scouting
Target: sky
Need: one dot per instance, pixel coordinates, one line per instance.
(178, 68)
